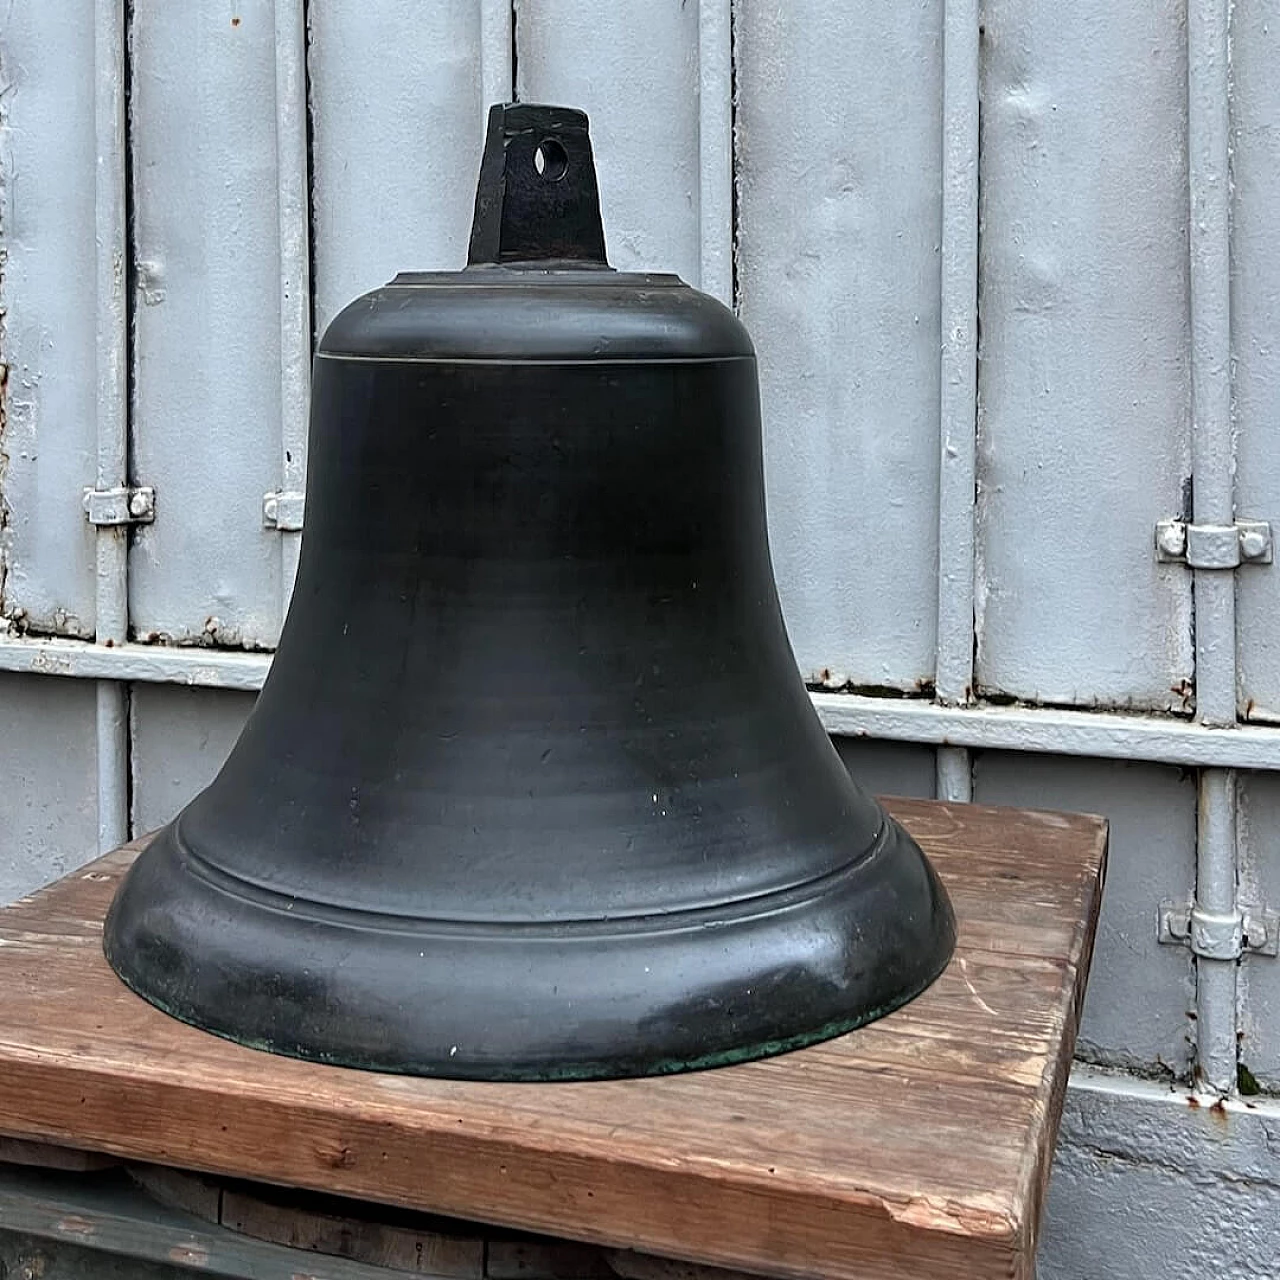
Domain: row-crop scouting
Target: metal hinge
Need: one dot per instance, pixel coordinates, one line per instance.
(283, 510)
(1214, 546)
(1220, 936)
(122, 505)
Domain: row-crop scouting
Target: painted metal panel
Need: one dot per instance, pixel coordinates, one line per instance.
(1140, 992)
(1083, 381)
(180, 739)
(47, 196)
(1255, 322)
(633, 68)
(1258, 836)
(839, 231)
(206, 429)
(889, 768)
(398, 119)
(1115, 1217)
(48, 778)
(1152, 1181)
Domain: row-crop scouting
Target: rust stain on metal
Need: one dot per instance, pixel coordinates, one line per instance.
(1185, 690)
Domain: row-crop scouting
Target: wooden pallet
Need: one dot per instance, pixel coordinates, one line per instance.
(919, 1146)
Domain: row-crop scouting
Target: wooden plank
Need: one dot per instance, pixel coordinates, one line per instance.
(44, 1155)
(917, 1146)
(105, 1213)
(381, 1244)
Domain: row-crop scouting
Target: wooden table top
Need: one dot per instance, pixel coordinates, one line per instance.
(918, 1146)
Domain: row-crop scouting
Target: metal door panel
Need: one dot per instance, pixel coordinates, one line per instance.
(889, 768)
(1083, 376)
(1258, 836)
(48, 328)
(48, 801)
(1140, 992)
(840, 148)
(180, 739)
(206, 426)
(633, 67)
(1255, 327)
(397, 120)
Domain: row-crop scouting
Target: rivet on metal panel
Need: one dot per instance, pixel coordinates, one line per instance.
(1255, 541)
(1262, 931)
(283, 510)
(121, 505)
(1171, 540)
(1219, 936)
(1211, 546)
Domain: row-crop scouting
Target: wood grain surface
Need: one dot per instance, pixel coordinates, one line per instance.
(917, 1146)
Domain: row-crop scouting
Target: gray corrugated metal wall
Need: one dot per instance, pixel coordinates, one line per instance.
(969, 524)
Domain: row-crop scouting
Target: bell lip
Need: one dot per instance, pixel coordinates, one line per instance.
(583, 1071)
(613, 1045)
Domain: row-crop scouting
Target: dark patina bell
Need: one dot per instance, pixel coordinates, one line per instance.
(534, 790)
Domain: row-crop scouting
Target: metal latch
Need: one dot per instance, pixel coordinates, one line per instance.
(122, 505)
(283, 510)
(1220, 936)
(1214, 546)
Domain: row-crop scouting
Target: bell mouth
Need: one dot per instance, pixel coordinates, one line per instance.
(579, 1000)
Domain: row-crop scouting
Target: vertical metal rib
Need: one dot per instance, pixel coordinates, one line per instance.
(715, 148)
(295, 273)
(111, 583)
(959, 378)
(496, 72)
(1213, 470)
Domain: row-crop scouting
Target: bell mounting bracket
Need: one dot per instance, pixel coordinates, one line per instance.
(537, 200)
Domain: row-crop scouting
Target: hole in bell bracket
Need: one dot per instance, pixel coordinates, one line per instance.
(550, 160)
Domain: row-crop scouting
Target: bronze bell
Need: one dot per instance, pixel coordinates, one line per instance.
(534, 790)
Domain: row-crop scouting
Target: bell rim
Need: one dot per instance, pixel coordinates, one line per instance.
(573, 1012)
(580, 1072)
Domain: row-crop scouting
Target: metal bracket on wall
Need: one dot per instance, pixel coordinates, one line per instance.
(283, 510)
(122, 505)
(1214, 546)
(1218, 936)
